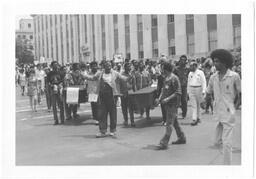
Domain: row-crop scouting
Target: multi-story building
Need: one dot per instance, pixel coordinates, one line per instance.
(72, 38)
(25, 33)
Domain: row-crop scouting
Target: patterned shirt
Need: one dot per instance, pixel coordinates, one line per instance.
(171, 86)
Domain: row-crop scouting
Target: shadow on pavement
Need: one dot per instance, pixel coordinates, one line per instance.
(89, 136)
(148, 123)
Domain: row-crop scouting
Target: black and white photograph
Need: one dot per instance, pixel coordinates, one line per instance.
(142, 91)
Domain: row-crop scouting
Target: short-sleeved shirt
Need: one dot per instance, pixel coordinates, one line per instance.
(182, 73)
(54, 77)
(171, 85)
(225, 91)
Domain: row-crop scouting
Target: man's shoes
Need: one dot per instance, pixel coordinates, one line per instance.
(76, 116)
(164, 123)
(194, 123)
(133, 124)
(125, 123)
(112, 134)
(180, 141)
(161, 147)
(69, 118)
(56, 123)
(101, 135)
(62, 122)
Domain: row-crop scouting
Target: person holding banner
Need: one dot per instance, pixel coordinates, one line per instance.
(107, 92)
(55, 80)
(92, 89)
(73, 78)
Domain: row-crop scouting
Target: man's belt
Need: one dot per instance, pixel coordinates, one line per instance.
(195, 86)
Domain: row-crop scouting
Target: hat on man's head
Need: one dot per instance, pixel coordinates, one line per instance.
(193, 62)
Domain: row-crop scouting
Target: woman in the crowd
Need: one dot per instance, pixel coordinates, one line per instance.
(22, 81)
(32, 89)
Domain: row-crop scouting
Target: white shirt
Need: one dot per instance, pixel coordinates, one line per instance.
(107, 78)
(225, 91)
(196, 79)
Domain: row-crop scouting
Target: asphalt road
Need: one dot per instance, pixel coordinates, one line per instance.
(39, 142)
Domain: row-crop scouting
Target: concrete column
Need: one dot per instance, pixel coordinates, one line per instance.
(98, 37)
(147, 36)
(40, 36)
(133, 37)
(224, 31)
(60, 60)
(37, 38)
(109, 29)
(180, 34)
(121, 34)
(64, 29)
(45, 38)
(201, 34)
(162, 35)
(75, 38)
(49, 36)
(89, 37)
(54, 38)
(69, 39)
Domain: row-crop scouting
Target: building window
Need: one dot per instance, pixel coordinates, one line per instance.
(154, 33)
(171, 35)
(170, 18)
(18, 36)
(155, 49)
(127, 36)
(24, 36)
(236, 22)
(212, 40)
(212, 31)
(31, 37)
(171, 47)
(190, 44)
(154, 20)
(29, 25)
(140, 36)
(189, 16)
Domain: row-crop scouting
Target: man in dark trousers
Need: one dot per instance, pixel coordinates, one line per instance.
(55, 80)
(170, 97)
(182, 72)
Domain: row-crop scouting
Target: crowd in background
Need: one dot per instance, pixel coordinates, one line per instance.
(176, 82)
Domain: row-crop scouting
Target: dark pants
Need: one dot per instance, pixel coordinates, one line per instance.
(184, 100)
(57, 100)
(94, 107)
(125, 104)
(163, 112)
(208, 99)
(171, 121)
(107, 105)
(71, 108)
(48, 97)
(147, 109)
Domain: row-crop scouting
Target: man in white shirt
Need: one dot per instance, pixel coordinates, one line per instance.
(196, 90)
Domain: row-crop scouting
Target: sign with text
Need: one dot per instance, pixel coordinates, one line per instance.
(72, 95)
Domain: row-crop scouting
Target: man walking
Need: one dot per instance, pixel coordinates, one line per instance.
(182, 72)
(170, 97)
(196, 88)
(226, 85)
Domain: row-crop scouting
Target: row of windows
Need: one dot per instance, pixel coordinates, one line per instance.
(211, 27)
(24, 36)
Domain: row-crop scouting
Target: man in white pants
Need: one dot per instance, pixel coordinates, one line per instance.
(196, 89)
(226, 86)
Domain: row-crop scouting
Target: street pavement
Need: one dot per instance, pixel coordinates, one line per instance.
(39, 142)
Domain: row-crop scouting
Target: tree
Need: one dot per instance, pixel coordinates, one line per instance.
(23, 51)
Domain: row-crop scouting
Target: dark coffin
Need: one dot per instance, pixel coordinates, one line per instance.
(83, 96)
(142, 98)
